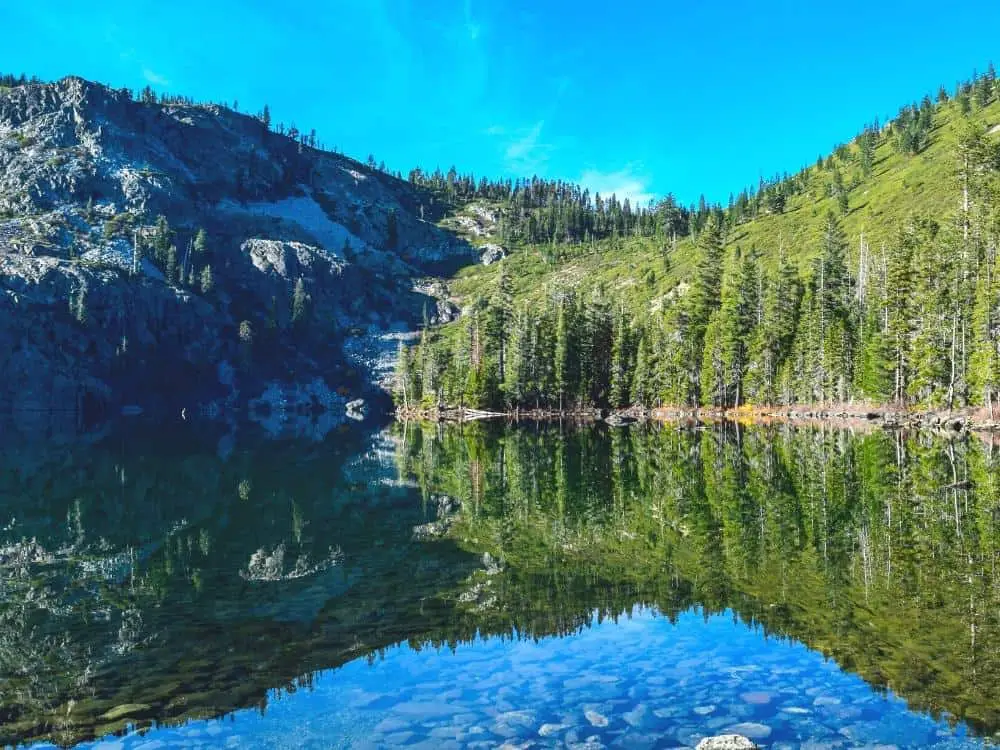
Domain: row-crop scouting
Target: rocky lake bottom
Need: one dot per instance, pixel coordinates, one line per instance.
(638, 682)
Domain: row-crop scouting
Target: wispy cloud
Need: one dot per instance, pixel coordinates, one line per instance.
(154, 78)
(522, 146)
(627, 182)
(525, 152)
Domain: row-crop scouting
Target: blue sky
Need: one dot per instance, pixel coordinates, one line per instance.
(642, 99)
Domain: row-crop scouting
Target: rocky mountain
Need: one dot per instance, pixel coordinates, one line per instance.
(175, 254)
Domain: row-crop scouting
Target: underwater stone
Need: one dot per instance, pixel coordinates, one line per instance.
(547, 730)
(726, 742)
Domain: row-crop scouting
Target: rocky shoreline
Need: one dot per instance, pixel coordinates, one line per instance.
(841, 415)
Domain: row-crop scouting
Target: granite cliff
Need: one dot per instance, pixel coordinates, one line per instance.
(112, 209)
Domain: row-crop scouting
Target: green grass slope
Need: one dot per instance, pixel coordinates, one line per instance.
(642, 272)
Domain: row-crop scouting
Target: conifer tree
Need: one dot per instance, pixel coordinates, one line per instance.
(642, 380)
(171, 265)
(201, 243)
(984, 364)
(621, 360)
(207, 283)
(300, 303)
(563, 352)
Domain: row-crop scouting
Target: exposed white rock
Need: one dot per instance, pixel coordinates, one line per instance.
(306, 213)
(726, 742)
(491, 253)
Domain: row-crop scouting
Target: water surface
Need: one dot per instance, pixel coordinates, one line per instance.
(566, 586)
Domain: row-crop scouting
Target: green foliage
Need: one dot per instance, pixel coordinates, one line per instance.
(300, 304)
(201, 243)
(171, 270)
(864, 283)
(206, 281)
(120, 225)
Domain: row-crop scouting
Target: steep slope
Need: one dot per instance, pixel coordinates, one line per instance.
(311, 257)
(900, 186)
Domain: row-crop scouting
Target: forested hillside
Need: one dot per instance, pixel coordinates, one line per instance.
(867, 276)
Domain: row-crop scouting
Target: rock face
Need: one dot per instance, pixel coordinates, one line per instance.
(491, 253)
(307, 250)
(69, 331)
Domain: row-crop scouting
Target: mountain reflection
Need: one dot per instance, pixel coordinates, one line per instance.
(161, 576)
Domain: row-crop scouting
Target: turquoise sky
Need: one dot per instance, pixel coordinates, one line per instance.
(641, 99)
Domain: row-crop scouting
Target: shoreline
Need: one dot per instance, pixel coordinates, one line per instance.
(883, 416)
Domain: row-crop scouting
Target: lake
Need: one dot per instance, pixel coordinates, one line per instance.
(484, 585)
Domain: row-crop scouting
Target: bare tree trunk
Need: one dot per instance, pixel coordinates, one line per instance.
(951, 382)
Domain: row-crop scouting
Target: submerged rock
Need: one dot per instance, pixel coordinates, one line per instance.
(727, 742)
(547, 730)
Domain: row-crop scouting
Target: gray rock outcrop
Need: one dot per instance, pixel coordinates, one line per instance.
(491, 253)
(85, 171)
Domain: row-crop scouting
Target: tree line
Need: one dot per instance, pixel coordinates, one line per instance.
(915, 320)
(536, 210)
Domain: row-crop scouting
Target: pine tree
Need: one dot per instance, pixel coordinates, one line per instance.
(300, 304)
(171, 265)
(642, 380)
(404, 376)
(201, 243)
(621, 360)
(702, 299)
(498, 323)
(207, 283)
(161, 240)
(563, 352)
(830, 284)
(984, 364)
(772, 341)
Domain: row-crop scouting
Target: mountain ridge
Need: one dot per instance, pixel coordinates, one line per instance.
(311, 257)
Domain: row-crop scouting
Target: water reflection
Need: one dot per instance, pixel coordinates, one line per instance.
(877, 549)
(150, 577)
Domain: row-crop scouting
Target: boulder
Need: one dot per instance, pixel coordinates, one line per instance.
(491, 253)
(726, 742)
(619, 420)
